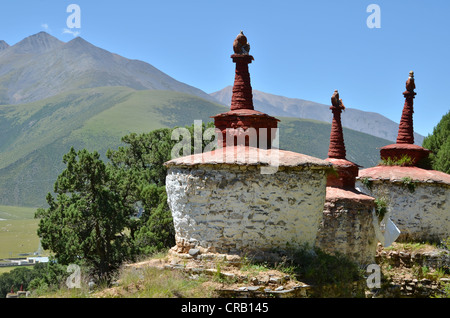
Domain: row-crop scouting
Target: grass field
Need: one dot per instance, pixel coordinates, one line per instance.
(16, 213)
(6, 269)
(17, 231)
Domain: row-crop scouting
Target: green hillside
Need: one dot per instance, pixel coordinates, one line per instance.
(35, 136)
(312, 137)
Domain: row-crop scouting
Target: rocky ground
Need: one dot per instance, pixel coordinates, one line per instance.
(414, 270)
(407, 270)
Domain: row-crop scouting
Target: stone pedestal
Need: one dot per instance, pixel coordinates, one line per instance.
(246, 128)
(396, 152)
(346, 173)
(347, 225)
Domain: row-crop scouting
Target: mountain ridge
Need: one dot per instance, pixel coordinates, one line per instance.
(37, 43)
(3, 45)
(76, 64)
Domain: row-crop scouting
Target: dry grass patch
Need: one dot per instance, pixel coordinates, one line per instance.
(154, 282)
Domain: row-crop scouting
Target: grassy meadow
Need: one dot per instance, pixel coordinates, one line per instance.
(17, 231)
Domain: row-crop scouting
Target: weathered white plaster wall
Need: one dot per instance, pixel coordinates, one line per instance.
(421, 214)
(236, 209)
(347, 226)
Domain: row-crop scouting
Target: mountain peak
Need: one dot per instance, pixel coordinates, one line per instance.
(81, 45)
(3, 45)
(37, 43)
(41, 66)
(79, 41)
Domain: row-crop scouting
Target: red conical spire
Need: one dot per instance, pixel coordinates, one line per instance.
(337, 146)
(405, 129)
(242, 116)
(346, 170)
(405, 140)
(242, 89)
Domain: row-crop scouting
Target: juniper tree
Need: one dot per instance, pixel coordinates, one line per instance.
(439, 144)
(103, 214)
(139, 166)
(86, 222)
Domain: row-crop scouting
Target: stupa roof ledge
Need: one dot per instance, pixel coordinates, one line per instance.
(399, 173)
(244, 112)
(338, 194)
(250, 156)
(342, 162)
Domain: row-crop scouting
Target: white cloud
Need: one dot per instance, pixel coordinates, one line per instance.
(45, 27)
(74, 33)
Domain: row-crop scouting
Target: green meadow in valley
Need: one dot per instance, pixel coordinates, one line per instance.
(17, 231)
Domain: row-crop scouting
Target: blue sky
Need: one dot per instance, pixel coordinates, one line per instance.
(302, 49)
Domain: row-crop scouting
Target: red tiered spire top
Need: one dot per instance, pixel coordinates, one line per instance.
(405, 129)
(337, 146)
(242, 116)
(347, 171)
(405, 140)
(242, 90)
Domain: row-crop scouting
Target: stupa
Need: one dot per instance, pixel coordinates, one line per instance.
(347, 171)
(405, 139)
(246, 197)
(348, 225)
(417, 199)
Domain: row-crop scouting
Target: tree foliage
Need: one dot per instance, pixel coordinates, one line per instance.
(103, 214)
(439, 144)
(14, 280)
(140, 164)
(87, 220)
(139, 168)
(41, 275)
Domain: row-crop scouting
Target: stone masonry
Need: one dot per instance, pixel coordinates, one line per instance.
(233, 208)
(418, 200)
